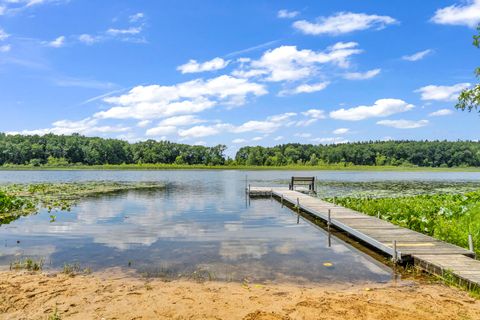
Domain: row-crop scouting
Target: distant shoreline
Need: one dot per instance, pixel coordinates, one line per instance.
(146, 167)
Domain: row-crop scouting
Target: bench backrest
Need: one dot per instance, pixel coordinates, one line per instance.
(310, 181)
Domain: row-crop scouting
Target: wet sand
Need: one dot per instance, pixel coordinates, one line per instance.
(115, 295)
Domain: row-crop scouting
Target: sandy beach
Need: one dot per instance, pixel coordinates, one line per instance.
(114, 295)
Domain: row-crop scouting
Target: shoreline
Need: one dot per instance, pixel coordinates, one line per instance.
(113, 294)
(163, 167)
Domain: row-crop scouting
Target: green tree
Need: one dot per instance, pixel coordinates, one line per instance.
(469, 99)
(313, 160)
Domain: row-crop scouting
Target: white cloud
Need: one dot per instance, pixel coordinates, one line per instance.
(257, 138)
(283, 117)
(57, 43)
(30, 3)
(381, 108)
(329, 140)
(418, 56)
(136, 17)
(340, 131)
(82, 83)
(442, 93)
(15, 6)
(343, 22)
(303, 135)
(250, 49)
(362, 75)
(441, 112)
(258, 126)
(154, 101)
(3, 35)
(193, 66)
(161, 131)
(239, 141)
(5, 48)
(278, 138)
(403, 124)
(287, 63)
(305, 123)
(271, 124)
(315, 114)
(143, 123)
(87, 126)
(128, 31)
(285, 14)
(306, 88)
(88, 39)
(199, 131)
(467, 15)
(180, 121)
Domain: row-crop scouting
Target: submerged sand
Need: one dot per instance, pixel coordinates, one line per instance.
(118, 296)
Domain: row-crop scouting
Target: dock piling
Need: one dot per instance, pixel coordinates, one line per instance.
(329, 221)
(394, 255)
(470, 243)
(298, 205)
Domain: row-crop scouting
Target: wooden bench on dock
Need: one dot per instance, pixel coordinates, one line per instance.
(303, 181)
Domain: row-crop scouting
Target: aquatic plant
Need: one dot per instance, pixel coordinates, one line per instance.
(448, 217)
(18, 200)
(28, 264)
(71, 269)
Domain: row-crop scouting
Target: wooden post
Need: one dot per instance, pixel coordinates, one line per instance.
(329, 221)
(394, 255)
(470, 243)
(298, 205)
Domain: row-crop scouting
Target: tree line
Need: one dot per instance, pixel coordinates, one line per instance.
(58, 150)
(76, 149)
(379, 153)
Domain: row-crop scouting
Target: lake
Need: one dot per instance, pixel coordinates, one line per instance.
(202, 225)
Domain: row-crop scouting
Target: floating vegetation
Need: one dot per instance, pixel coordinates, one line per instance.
(72, 269)
(448, 217)
(17, 200)
(381, 189)
(28, 264)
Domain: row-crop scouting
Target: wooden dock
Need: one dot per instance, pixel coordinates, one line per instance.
(402, 244)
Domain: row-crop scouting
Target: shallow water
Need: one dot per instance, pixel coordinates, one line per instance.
(200, 226)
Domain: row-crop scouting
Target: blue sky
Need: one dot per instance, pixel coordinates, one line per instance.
(238, 72)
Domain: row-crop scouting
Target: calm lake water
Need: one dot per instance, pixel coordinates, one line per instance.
(200, 223)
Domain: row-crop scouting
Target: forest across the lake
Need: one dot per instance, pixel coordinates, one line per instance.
(52, 150)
